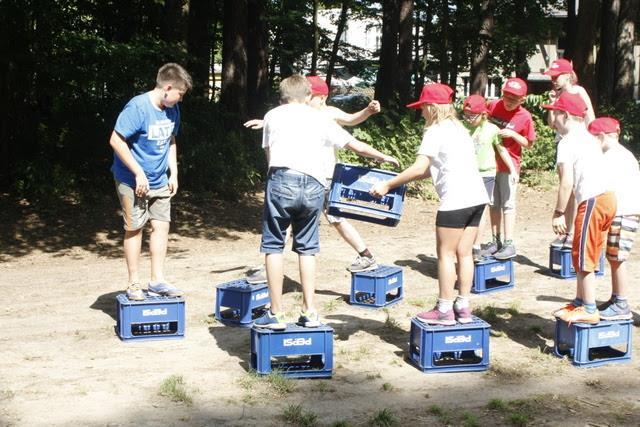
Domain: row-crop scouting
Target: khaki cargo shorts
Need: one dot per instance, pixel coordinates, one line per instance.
(136, 211)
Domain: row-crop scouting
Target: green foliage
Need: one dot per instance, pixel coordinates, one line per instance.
(296, 415)
(542, 156)
(629, 118)
(175, 389)
(384, 418)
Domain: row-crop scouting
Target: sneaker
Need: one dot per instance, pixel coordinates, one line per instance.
(568, 242)
(506, 252)
(258, 276)
(309, 319)
(436, 317)
(580, 315)
(477, 256)
(463, 315)
(558, 242)
(134, 292)
(616, 312)
(363, 263)
(163, 289)
(564, 310)
(271, 321)
(606, 304)
(488, 249)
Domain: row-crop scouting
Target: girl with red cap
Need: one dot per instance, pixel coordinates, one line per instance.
(447, 155)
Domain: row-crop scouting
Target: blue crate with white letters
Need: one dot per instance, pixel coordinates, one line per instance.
(350, 198)
(492, 275)
(239, 303)
(296, 352)
(377, 288)
(155, 318)
(594, 345)
(561, 265)
(459, 348)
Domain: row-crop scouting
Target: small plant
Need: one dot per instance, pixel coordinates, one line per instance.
(514, 309)
(384, 418)
(497, 405)
(436, 410)
(489, 313)
(322, 387)
(279, 384)
(420, 303)
(519, 419)
(296, 415)
(209, 319)
(330, 306)
(175, 389)
(373, 375)
(469, 419)
(387, 387)
(340, 423)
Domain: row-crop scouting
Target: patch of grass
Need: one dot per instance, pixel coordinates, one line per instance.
(175, 389)
(441, 413)
(387, 387)
(373, 375)
(297, 296)
(331, 305)
(298, 416)
(322, 387)
(497, 405)
(505, 372)
(514, 308)
(469, 419)
(416, 302)
(209, 319)
(519, 419)
(341, 423)
(539, 179)
(487, 313)
(249, 380)
(6, 395)
(279, 383)
(384, 418)
(390, 323)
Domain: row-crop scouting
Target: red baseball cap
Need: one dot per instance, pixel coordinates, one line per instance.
(515, 86)
(433, 93)
(571, 103)
(318, 85)
(559, 66)
(604, 125)
(475, 104)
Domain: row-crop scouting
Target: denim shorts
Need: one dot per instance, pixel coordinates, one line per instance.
(291, 198)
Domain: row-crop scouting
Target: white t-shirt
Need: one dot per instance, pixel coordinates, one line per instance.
(298, 138)
(622, 168)
(580, 150)
(453, 166)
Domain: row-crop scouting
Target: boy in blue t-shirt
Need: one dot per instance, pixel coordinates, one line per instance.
(144, 147)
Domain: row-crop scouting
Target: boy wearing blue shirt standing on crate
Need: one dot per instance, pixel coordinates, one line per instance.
(144, 146)
(295, 137)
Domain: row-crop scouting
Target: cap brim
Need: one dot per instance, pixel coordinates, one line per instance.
(417, 104)
(513, 93)
(553, 73)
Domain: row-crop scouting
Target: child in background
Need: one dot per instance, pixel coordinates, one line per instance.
(623, 170)
(488, 146)
(447, 155)
(581, 167)
(517, 131)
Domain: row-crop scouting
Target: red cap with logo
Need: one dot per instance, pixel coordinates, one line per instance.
(318, 85)
(433, 93)
(515, 86)
(604, 125)
(475, 104)
(559, 66)
(571, 103)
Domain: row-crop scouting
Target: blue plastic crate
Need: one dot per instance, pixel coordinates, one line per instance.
(350, 198)
(492, 275)
(594, 345)
(459, 348)
(155, 318)
(561, 265)
(239, 303)
(377, 288)
(297, 352)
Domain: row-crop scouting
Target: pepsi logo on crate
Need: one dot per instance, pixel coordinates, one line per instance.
(492, 275)
(349, 196)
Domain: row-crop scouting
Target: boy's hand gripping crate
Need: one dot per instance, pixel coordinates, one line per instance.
(562, 258)
(377, 288)
(350, 198)
(459, 348)
(297, 351)
(155, 318)
(594, 345)
(240, 303)
(490, 274)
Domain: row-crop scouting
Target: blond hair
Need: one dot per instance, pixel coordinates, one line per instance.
(294, 88)
(437, 113)
(175, 75)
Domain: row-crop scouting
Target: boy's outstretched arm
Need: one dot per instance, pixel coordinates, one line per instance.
(173, 167)
(353, 119)
(365, 150)
(122, 150)
(419, 169)
(254, 124)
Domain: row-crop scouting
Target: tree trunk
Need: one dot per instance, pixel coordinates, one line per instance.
(171, 21)
(288, 35)
(426, 32)
(607, 52)
(625, 61)
(387, 73)
(582, 51)
(257, 56)
(198, 45)
(342, 22)
(479, 73)
(405, 40)
(233, 95)
(215, 17)
(316, 37)
(456, 48)
(444, 41)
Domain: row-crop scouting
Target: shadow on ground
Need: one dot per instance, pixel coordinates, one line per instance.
(107, 304)
(426, 265)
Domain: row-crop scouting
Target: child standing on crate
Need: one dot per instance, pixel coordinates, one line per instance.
(623, 169)
(581, 167)
(295, 136)
(447, 155)
(488, 146)
(144, 146)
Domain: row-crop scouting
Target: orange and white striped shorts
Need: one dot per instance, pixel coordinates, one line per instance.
(592, 221)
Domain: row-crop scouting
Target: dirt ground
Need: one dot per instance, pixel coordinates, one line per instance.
(62, 363)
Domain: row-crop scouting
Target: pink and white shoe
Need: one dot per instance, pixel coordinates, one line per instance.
(436, 317)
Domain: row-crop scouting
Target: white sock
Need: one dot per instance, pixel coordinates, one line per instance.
(444, 305)
(462, 302)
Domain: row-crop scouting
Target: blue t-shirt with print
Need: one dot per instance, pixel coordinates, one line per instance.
(147, 130)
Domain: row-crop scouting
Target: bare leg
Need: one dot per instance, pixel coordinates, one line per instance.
(496, 220)
(509, 225)
(570, 213)
(132, 248)
(465, 260)
(275, 277)
(158, 248)
(618, 278)
(482, 225)
(350, 235)
(307, 265)
(586, 287)
(447, 240)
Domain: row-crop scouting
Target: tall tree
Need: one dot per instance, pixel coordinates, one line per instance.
(388, 64)
(479, 61)
(581, 51)
(405, 40)
(258, 58)
(342, 22)
(233, 95)
(198, 44)
(316, 39)
(606, 65)
(171, 20)
(625, 60)
(444, 19)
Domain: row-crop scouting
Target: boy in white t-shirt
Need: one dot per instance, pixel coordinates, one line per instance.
(294, 137)
(624, 173)
(580, 167)
(448, 156)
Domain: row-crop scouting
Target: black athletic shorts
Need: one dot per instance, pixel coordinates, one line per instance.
(460, 218)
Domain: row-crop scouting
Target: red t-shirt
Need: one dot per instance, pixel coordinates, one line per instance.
(518, 120)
